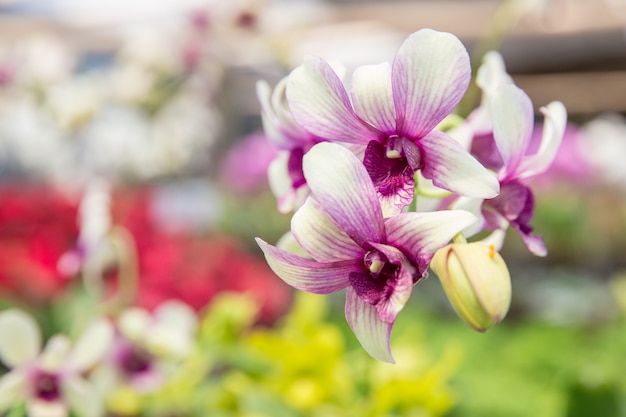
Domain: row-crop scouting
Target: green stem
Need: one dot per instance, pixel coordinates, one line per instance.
(459, 238)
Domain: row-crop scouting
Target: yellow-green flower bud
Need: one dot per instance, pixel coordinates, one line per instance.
(476, 281)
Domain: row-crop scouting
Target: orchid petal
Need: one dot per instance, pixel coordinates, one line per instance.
(134, 323)
(492, 73)
(342, 186)
(55, 353)
(320, 104)
(92, 345)
(373, 333)
(13, 389)
(430, 75)
(474, 206)
(419, 235)
(42, 408)
(289, 197)
(513, 119)
(451, 167)
(176, 314)
(372, 96)
(321, 237)
(308, 275)
(553, 129)
(82, 398)
(21, 339)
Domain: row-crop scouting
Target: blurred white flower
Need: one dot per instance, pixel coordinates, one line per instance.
(149, 345)
(52, 381)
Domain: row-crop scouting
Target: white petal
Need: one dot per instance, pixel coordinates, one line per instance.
(451, 167)
(321, 237)
(513, 120)
(553, 129)
(342, 186)
(474, 206)
(20, 339)
(55, 353)
(82, 398)
(372, 96)
(431, 72)
(134, 323)
(419, 235)
(92, 345)
(176, 314)
(13, 389)
(320, 104)
(41, 408)
(492, 73)
(373, 334)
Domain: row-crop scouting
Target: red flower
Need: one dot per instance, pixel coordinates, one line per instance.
(37, 225)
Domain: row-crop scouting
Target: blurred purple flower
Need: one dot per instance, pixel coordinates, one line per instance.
(245, 166)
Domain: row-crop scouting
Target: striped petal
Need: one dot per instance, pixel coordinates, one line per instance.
(430, 75)
(373, 333)
(372, 96)
(553, 130)
(341, 185)
(92, 345)
(451, 167)
(513, 119)
(308, 275)
(419, 235)
(321, 237)
(320, 104)
(21, 339)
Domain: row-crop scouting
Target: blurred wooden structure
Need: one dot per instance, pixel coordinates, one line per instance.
(571, 50)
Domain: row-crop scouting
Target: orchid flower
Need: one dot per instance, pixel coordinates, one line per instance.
(354, 247)
(51, 382)
(285, 171)
(513, 122)
(146, 344)
(392, 111)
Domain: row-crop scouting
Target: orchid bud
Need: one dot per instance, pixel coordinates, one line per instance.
(476, 281)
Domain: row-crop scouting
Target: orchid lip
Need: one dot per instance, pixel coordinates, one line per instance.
(46, 386)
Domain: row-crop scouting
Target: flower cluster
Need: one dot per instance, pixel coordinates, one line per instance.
(175, 361)
(383, 175)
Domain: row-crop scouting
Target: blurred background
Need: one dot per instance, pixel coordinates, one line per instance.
(157, 98)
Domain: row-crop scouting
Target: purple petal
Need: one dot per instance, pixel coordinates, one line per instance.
(321, 237)
(373, 334)
(451, 167)
(389, 307)
(517, 204)
(430, 75)
(342, 186)
(513, 118)
(320, 104)
(308, 275)
(373, 97)
(419, 235)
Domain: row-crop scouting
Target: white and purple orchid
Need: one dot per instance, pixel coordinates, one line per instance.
(505, 150)
(285, 171)
(392, 111)
(51, 382)
(352, 246)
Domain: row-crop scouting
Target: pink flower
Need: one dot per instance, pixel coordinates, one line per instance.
(393, 110)
(377, 260)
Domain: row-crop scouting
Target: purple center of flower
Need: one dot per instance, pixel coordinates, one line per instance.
(391, 166)
(379, 282)
(46, 386)
(135, 360)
